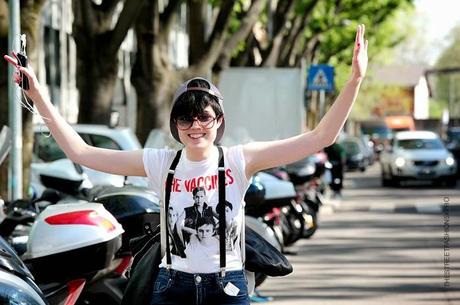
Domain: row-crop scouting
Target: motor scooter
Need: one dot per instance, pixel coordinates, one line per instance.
(70, 248)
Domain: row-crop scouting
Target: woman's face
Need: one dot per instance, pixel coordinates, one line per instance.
(198, 136)
(173, 215)
(205, 231)
(199, 198)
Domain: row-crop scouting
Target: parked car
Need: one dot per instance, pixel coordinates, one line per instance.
(355, 154)
(46, 150)
(367, 147)
(417, 155)
(379, 133)
(453, 144)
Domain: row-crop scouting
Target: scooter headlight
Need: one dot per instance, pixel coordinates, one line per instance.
(11, 294)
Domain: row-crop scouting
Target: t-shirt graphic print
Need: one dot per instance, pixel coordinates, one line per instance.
(193, 218)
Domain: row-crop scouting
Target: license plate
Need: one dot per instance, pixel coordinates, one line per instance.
(426, 172)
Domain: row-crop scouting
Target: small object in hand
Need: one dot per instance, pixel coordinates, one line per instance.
(22, 60)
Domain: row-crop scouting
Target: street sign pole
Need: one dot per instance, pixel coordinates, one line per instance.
(322, 102)
(14, 108)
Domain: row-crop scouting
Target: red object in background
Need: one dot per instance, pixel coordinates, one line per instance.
(86, 217)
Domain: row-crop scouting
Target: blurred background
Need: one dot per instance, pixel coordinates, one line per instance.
(111, 68)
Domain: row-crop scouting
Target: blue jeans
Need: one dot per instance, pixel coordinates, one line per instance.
(176, 287)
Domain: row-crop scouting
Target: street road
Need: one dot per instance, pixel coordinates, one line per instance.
(378, 246)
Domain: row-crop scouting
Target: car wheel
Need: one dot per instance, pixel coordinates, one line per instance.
(385, 181)
(383, 176)
(394, 181)
(451, 182)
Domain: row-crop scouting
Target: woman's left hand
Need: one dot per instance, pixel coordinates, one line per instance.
(359, 64)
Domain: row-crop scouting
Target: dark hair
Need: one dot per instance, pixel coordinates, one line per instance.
(227, 204)
(206, 220)
(198, 189)
(193, 103)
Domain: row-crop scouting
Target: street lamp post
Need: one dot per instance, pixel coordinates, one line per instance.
(14, 108)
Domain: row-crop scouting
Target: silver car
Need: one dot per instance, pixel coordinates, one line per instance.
(48, 157)
(417, 155)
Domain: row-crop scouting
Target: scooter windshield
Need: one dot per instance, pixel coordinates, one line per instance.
(5, 142)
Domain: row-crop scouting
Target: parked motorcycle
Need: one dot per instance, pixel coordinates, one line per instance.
(277, 208)
(307, 176)
(79, 240)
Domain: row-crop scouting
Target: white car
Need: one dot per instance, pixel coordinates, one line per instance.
(417, 155)
(46, 152)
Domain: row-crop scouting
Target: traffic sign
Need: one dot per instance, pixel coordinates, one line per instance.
(321, 77)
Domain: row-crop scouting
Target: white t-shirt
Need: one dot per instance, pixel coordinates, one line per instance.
(190, 211)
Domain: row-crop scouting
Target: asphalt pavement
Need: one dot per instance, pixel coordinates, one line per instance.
(378, 246)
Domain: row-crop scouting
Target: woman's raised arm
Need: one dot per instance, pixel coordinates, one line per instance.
(262, 155)
(126, 163)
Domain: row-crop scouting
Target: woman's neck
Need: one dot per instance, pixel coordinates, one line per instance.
(198, 154)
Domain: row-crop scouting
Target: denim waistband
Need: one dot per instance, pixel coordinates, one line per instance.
(205, 278)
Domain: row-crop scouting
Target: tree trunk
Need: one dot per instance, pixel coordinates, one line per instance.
(96, 78)
(231, 43)
(153, 76)
(197, 29)
(98, 42)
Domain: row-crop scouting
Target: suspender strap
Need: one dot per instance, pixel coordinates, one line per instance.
(169, 181)
(221, 211)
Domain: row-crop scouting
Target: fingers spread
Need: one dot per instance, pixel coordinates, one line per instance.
(11, 60)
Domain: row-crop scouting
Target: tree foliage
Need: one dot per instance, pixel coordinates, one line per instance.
(154, 75)
(319, 31)
(447, 86)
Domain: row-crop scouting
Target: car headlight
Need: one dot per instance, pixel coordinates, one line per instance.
(450, 161)
(400, 162)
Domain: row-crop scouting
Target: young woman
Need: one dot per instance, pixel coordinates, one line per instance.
(197, 121)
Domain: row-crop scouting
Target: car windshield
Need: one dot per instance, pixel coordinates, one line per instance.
(381, 131)
(453, 135)
(351, 148)
(420, 144)
(47, 150)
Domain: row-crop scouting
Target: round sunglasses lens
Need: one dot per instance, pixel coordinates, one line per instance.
(184, 123)
(206, 121)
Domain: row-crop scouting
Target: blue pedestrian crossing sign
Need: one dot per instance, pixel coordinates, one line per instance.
(320, 77)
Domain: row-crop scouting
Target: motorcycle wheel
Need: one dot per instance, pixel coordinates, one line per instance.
(311, 221)
(296, 223)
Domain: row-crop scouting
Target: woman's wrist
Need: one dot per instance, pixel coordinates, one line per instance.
(36, 95)
(356, 79)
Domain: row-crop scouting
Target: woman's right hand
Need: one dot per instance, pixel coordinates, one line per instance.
(34, 85)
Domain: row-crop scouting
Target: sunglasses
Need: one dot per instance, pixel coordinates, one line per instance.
(204, 120)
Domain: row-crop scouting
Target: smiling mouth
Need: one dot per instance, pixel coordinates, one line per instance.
(197, 135)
